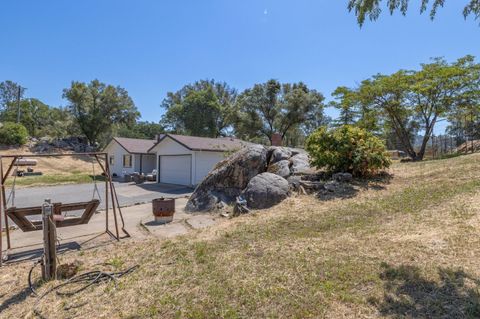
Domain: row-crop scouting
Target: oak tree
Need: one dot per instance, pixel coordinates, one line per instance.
(97, 107)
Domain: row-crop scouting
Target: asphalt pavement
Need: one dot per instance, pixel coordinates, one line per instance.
(128, 193)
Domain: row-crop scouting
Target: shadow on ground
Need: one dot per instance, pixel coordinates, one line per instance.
(37, 253)
(350, 190)
(410, 294)
(166, 189)
(17, 298)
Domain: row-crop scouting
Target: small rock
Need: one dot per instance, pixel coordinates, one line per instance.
(313, 186)
(331, 186)
(294, 181)
(343, 177)
(240, 207)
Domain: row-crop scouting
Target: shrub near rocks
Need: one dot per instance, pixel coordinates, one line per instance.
(347, 149)
(13, 134)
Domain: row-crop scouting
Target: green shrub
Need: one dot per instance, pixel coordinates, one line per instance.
(347, 149)
(13, 134)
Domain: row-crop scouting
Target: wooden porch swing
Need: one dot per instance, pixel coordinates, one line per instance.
(19, 215)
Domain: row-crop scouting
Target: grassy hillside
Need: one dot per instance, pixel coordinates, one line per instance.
(55, 170)
(408, 246)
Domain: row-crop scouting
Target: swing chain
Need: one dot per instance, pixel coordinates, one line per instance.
(11, 196)
(95, 187)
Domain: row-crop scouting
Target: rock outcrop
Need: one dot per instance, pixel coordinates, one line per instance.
(48, 145)
(254, 178)
(228, 179)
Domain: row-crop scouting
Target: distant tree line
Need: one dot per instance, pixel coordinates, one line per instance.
(95, 110)
(402, 108)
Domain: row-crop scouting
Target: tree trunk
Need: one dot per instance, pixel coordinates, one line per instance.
(426, 138)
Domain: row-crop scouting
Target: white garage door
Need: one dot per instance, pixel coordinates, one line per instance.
(176, 169)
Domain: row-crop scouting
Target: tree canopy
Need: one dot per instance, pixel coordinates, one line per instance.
(372, 9)
(34, 115)
(408, 101)
(347, 103)
(9, 93)
(273, 107)
(97, 107)
(38, 118)
(145, 130)
(204, 108)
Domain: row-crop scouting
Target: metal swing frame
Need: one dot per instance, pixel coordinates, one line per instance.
(109, 192)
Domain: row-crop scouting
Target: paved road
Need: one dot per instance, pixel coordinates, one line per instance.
(128, 194)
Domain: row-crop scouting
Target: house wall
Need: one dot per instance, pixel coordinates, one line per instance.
(204, 162)
(118, 151)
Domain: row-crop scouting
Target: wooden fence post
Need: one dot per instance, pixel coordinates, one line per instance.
(49, 269)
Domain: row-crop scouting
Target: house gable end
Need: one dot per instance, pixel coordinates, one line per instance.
(170, 146)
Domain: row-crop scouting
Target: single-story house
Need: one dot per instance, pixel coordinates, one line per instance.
(129, 155)
(178, 159)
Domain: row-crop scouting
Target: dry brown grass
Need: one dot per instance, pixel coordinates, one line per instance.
(404, 248)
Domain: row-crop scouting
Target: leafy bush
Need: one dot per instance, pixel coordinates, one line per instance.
(13, 134)
(347, 149)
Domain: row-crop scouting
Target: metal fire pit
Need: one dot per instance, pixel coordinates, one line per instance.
(163, 209)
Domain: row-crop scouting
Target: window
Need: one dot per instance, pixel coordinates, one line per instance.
(112, 160)
(127, 160)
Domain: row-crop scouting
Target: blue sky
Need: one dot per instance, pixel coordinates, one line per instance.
(151, 47)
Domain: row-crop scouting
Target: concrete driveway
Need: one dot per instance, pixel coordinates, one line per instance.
(128, 193)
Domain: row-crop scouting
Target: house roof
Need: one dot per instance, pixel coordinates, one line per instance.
(135, 145)
(195, 143)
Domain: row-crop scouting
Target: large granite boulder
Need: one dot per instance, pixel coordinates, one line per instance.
(265, 190)
(228, 178)
(281, 168)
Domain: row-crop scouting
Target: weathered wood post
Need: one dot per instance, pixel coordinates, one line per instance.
(49, 269)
